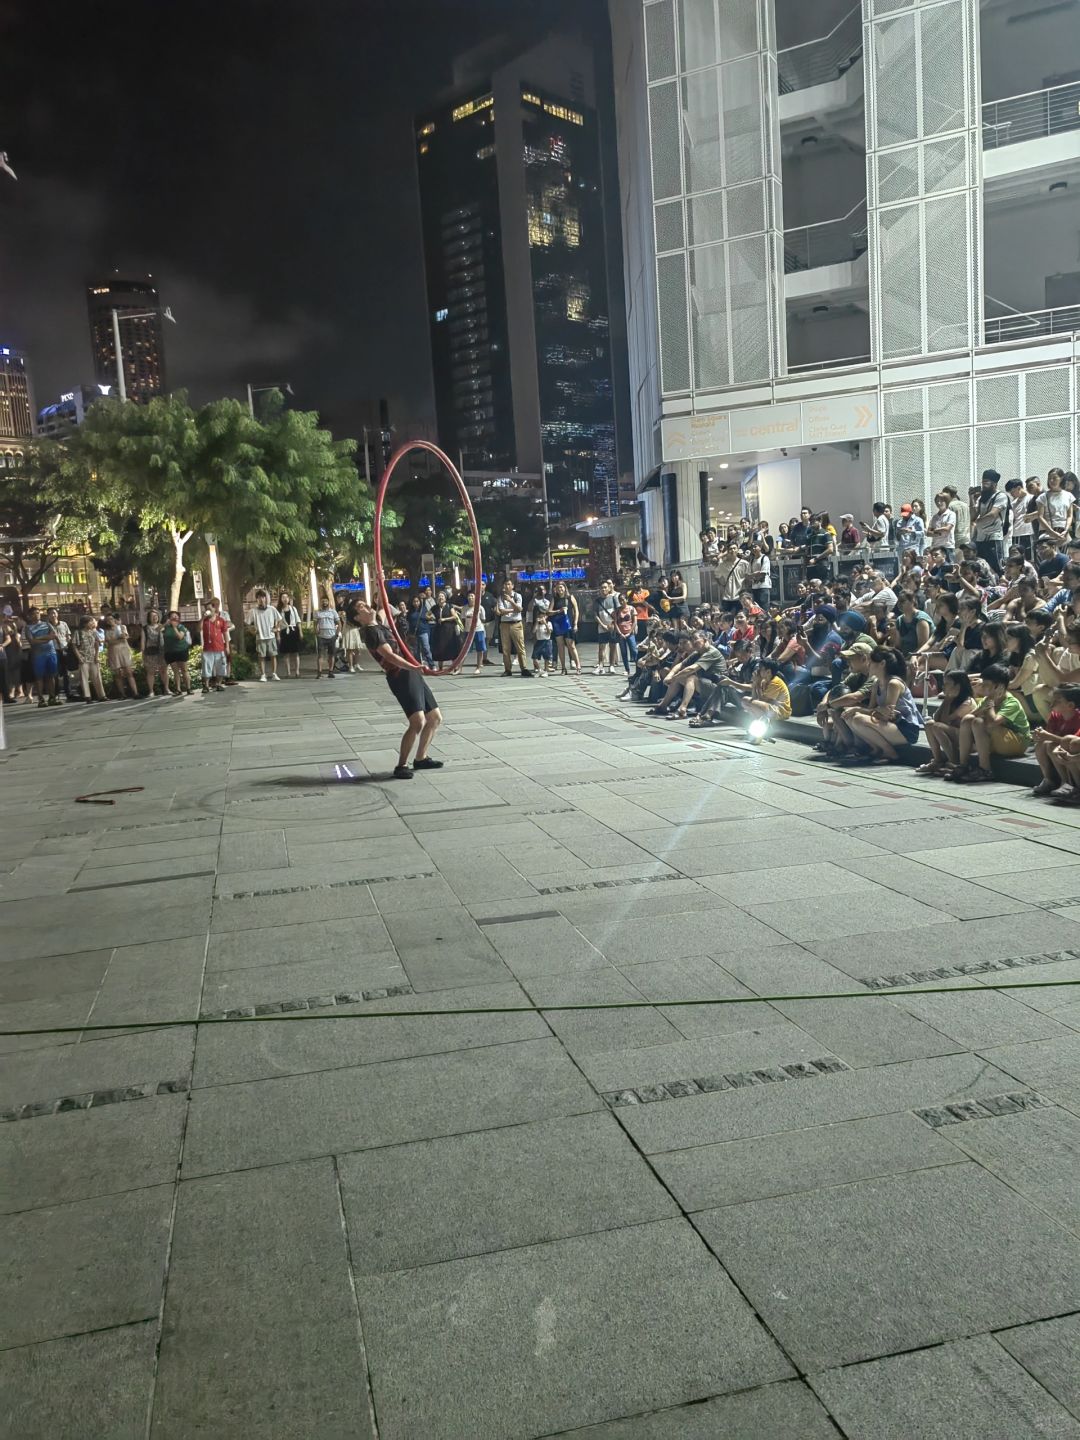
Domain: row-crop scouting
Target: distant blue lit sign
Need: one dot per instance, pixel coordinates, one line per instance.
(536, 575)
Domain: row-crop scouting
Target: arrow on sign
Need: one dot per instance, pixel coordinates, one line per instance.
(863, 416)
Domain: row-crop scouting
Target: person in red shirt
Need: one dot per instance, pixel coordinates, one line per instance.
(1057, 747)
(215, 646)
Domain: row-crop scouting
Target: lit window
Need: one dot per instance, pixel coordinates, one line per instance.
(441, 314)
(424, 147)
(471, 107)
(428, 129)
(561, 112)
(485, 152)
(531, 98)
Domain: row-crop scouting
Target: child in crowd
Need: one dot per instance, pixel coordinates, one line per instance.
(997, 726)
(215, 647)
(1057, 747)
(327, 630)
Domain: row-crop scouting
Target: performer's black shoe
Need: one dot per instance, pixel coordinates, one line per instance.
(402, 772)
(427, 764)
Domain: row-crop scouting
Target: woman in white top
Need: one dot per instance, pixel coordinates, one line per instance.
(1054, 516)
(942, 527)
(291, 638)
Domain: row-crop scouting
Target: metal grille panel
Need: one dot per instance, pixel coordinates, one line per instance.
(670, 233)
(997, 447)
(660, 39)
(672, 314)
(946, 241)
(744, 157)
(898, 175)
(901, 280)
(896, 111)
(1046, 392)
(945, 164)
(709, 287)
(997, 397)
(905, 467)
(746, 209)
(749, 307)
(701, 131)
(942, 72)
(1046, 444)
(706, 216)
(948, 461)
(664, 140)
(948, 404)
(738, 28)
(903, 410)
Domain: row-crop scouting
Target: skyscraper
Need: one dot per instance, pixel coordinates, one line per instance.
(139, 314)
(16, 401)
(516, 261)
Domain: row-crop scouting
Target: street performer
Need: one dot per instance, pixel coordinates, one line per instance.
(409, 688)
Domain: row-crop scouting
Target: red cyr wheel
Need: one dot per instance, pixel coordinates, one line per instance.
(478, 567)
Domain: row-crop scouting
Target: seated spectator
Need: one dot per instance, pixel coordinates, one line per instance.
(823, 643)
(967, 652)
(997, 726)
(1025, 598)
(891, 718)
(879, 595)
(935, 651)
(943, 731)
(765, 697)
(912, 625)
(701, 659)
(1057, 746)
(1057, 655)
(788, 650)
(1050, 557)
(1023, 665)
(1069, 589)
(849, 694)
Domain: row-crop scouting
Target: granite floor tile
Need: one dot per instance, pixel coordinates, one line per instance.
(772, 1412)
(345, 939)
(564, 1319)
(83, 1266)
(1047, 1350)
(1035, 1152)
(105, 1379)
(410, 1205)
(260, 1333)
(968, 1390)
(300, 908)
(300, 1116)
(102, 1064)
(856, 1273)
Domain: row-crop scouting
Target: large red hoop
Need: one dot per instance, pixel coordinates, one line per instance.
(478, 564)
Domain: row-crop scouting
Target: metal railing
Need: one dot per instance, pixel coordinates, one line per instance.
(816, 62)
(829, 242)
(1062, 320)
(1032, 116)
(835, 364)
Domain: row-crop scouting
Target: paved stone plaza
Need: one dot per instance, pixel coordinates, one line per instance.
(766, 1221)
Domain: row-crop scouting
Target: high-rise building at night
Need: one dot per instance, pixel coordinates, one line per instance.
(16, 398)
(517, 278)
(68, 412)
(850, 251)
(138, 308)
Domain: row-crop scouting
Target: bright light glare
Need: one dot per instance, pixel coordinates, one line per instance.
(759, 729)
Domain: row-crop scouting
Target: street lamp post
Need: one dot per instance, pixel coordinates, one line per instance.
(121, 386)
(253, 390)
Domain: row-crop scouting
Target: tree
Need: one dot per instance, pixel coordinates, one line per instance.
(510, 529)
(45, 511)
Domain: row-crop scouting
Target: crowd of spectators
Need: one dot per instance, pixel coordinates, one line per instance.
(956, 632)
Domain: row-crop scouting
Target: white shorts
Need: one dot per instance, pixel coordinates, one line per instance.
(213, 665)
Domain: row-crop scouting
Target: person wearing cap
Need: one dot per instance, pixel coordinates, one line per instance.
(849, 532)
(847, 694)
(910, 530)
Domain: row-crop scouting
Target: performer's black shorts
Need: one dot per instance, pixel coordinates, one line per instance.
(411, 691)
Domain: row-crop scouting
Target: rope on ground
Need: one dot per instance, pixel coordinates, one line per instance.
(544, 1009)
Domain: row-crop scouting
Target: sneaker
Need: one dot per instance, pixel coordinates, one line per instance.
(402, 772)
(427, 764)
(599, 670)
(54, 701)
(262, 679)
(88, 700)
(541, 674)
(41, 703)
(624, 696)
(1044, 787)
(527, 674)
(275, 677)
(1064, 792)
(609, 670)
(330, 675)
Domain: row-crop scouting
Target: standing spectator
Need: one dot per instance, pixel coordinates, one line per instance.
(175, 649)
(215, 646)
(677, 594)
(943, 526)
(118, 654)
(267, 621)
(639, 598)
(327, 631)
(543, 660)
(732, 575)
(1054, 514)
(605, 628)
(42, 639)
(153, 654)
(849, 532)
(564, 625)
(963, 515)
(290, 637)
(446, 619)
(65, 661)
(625, 620)
(87, 648)
(760, 575)
(911, 530)
(511, 629)
(418, 624)
(877, 531)
(352, 640)
(479, 643)
(997, 726)
(1021, 527)
(988, 520)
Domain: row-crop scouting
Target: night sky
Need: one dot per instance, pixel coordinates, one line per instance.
(256, 156)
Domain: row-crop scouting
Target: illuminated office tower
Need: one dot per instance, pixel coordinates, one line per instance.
(138, 310)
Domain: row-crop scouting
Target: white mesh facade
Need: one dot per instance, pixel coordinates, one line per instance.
(924, 199)
(1020, 423)
(715, 169)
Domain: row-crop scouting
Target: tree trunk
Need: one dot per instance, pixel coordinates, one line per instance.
(179, 541)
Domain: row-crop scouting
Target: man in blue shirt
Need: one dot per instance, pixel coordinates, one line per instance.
(43, 657)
